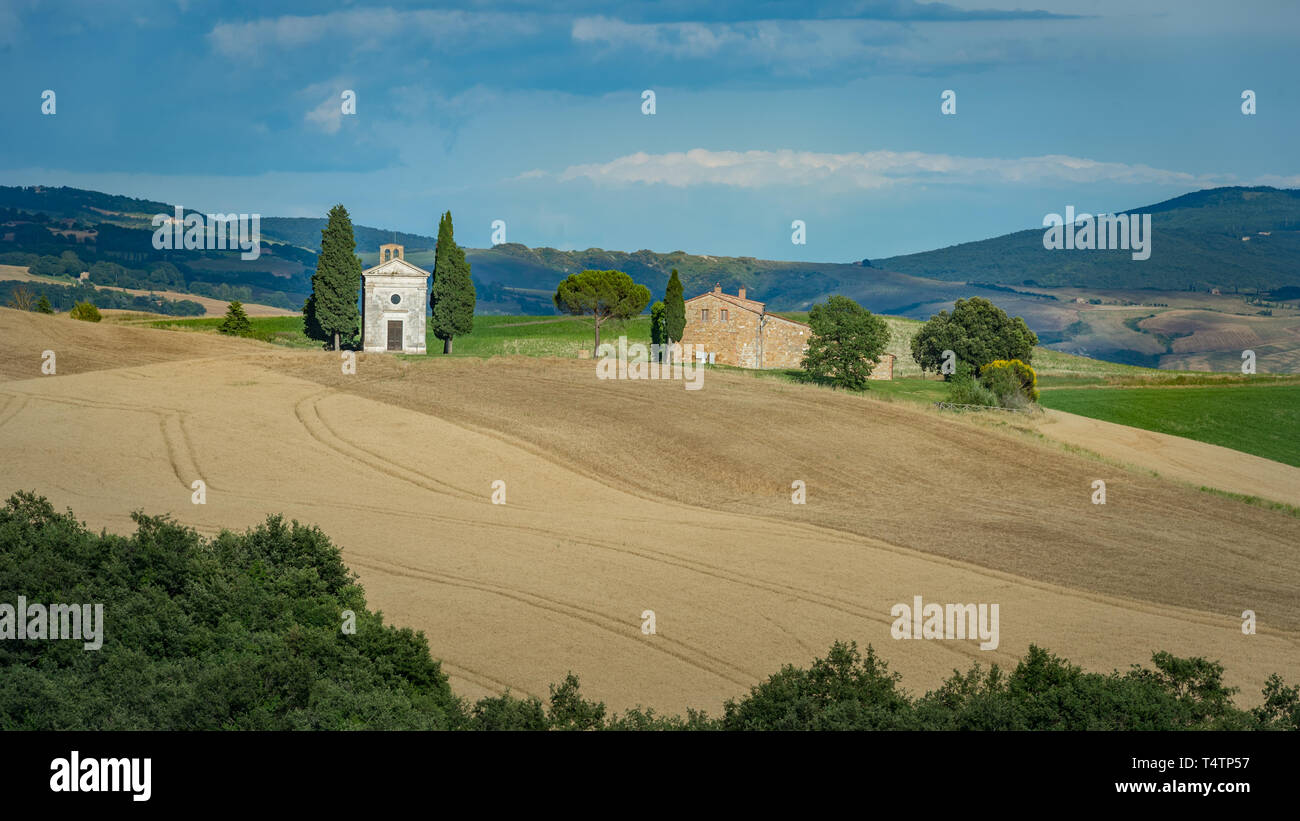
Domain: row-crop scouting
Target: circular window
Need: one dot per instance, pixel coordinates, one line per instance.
(395, 298)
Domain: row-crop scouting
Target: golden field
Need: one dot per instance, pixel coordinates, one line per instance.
(631, 496)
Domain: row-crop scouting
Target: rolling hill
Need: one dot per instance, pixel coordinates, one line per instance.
(1102, 304)
(1233, 239)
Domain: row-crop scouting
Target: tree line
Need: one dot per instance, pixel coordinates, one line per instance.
(246, 631)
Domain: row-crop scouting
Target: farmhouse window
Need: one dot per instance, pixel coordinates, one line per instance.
(704, 314)
(723, 316)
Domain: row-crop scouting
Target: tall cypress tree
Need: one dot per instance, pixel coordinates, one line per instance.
(674, 309)
(331, 311)
(452, 295)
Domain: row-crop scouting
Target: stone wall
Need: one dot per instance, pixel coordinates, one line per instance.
(377, 309)
(734, 340)
(751, 338)
(784, 342)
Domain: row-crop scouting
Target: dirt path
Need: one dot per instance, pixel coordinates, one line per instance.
(1175, 457)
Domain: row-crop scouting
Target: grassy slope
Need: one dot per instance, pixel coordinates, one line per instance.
(1261, 418)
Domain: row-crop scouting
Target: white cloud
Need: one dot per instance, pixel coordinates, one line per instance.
(805, 47)
(873, 169)
(768, 40)
(368, 30)
(328, 116)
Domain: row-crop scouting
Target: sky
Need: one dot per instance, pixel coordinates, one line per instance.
(532, 113)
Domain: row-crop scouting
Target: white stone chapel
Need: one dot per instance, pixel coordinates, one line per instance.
(394, 299)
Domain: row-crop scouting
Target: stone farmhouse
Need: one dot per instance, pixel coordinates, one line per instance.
(394, 295)
(736, 330)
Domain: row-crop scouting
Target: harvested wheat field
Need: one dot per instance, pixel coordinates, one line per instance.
(631, 496)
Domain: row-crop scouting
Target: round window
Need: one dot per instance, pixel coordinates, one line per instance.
(395, 298)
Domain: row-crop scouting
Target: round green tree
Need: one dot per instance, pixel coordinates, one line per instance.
(847, 342)
(977, 332)
(602, 295)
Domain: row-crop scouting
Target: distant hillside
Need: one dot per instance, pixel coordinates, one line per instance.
(81, 205)
(305, 233)
(1159, 312)
(1197, 244)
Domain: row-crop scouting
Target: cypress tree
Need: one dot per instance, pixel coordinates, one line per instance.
(452, 296)
(658, 331)
(674, 309)
(336, 285)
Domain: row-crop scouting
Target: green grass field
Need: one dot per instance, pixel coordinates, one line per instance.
(278, 330)
(561, 336)
(493, 335)
(1262, 419)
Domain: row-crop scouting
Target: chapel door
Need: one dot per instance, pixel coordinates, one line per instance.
(394, 334)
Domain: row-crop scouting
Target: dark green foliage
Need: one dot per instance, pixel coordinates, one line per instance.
(570, 711)
(674, 309)
(601, 295)
(847, 342)
(310, 327)
(86, 312)
(505, 712)
(1281, 707)
(843, 691)
(977, 331)
(658, 329)
(452, 294)
(242, 631)
(1012, 382)
(238, 632)
(236, 321)
(965, 389)
(43, 305)
(336, 284)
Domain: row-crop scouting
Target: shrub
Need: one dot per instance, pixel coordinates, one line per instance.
(86, 312)
(43, 305)
(1009, 378)
(965, 389)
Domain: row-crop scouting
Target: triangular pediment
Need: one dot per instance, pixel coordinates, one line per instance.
(396, 267)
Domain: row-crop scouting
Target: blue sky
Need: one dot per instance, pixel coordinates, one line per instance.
(766, 112)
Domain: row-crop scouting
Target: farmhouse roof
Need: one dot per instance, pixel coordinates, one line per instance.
(740, 301)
